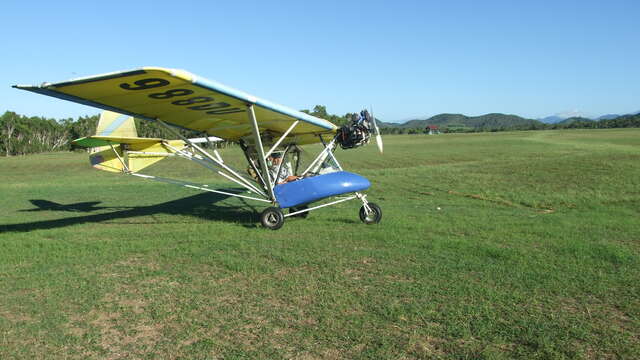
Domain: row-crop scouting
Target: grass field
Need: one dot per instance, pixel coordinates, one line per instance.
(534, 253)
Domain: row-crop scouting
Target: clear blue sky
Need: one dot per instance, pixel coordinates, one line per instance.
(406, 58)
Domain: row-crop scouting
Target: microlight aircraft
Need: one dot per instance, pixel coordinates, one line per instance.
(178, 99)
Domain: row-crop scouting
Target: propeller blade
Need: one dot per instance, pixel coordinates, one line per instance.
(378, 136)
(379, 142)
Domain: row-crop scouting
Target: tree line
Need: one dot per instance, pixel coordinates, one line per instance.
(21, 135)
(625, 121)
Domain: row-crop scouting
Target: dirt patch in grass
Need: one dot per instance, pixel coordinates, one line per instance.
(119, 335)
(542, 210)
(427, 346)
(136, 305)
(15, 317)
(118, 318)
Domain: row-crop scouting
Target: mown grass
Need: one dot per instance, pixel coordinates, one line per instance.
(532, 254)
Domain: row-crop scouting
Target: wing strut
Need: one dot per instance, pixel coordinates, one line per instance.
(260, 150)
(124, 166)
(275, 146)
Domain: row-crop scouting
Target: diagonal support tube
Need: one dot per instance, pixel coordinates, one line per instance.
(321, 206)
(260, 150)
(124, 165)
(321, 157)
(207, 155)
(208, 164)
(275, 146)
(195, 186)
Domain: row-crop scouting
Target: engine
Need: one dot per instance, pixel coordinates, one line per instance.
(357, 132)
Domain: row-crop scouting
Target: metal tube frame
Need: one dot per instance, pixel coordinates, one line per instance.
(328, 149)
(275, 146)
(124, 165)
(214, 162)
(202, 161)
(187, 156)
(321, 206)
(245, 151)
(194, 186)
(284, 158)
(260, 149)
(199, 160)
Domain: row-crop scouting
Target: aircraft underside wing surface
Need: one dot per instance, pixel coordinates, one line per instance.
(185, 100)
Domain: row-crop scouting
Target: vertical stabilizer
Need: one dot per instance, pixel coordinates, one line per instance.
(114, 124)
(117, 125)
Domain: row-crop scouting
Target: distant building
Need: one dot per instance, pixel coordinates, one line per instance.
(432, 130)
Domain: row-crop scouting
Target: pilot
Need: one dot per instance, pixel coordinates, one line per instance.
(285, 173)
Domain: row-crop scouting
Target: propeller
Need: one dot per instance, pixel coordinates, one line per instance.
(378, 136)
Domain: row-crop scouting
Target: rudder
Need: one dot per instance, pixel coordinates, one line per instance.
(112, 124)
(115, 124)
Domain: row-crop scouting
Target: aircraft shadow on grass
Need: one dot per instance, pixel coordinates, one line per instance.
(202, 205)
(46, 205)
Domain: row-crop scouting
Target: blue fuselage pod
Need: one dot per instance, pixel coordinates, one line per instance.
(319, 187)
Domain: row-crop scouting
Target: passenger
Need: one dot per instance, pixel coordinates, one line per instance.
(285, 172)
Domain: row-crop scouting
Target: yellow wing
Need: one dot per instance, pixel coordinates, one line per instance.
(185, 100)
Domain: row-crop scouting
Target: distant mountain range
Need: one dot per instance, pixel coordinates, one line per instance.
(561, 117)
(494, 120)
(553, 119)
(576, 118)
(608, 116)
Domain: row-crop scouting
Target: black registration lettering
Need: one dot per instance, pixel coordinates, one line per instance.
(171, 93)
(145, 84)
(226, 111)
(218, 105)
(193, 100)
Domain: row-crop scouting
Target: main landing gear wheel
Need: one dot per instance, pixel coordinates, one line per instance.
(272, 218)
(373, 217)
(299, 208)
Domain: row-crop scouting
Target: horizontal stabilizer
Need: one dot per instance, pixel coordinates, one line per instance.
(116, 146)
(107, 158)
(95, 141)
(134, 154)
(143, 154)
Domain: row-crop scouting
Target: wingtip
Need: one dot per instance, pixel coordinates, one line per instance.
(23, 87)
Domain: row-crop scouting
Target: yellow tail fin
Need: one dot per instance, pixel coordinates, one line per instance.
(116, 125)
(112, 124)
(126, 152)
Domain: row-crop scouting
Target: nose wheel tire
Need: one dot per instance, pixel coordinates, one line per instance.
(371, 217)
(272, 218)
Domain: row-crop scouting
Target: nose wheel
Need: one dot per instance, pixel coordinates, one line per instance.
(372, 215)
(272, 218)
